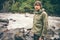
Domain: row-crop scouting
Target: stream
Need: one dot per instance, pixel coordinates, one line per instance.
(25, 21)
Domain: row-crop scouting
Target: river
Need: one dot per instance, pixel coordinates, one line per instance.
(26, 21)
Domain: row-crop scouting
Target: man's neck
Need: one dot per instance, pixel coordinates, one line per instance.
(38, 11)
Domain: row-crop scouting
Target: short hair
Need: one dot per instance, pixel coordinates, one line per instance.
(38, 3)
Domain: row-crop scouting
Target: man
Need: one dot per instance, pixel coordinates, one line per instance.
(40, 22)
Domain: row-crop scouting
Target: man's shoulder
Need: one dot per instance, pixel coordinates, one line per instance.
(44, 13)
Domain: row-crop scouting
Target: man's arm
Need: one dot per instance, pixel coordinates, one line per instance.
(45, 23)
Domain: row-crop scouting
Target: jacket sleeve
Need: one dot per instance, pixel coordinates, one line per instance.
(45, 23)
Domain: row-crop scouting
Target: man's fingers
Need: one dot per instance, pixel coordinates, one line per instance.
(40, 38)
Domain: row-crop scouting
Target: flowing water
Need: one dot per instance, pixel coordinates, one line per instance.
(26, 21)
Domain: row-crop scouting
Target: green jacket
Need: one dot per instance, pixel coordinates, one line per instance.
(40, 23)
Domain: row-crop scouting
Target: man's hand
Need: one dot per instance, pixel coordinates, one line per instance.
(40, 38)
(31, 34)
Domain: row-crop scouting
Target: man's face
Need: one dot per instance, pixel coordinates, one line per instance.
(37, 7)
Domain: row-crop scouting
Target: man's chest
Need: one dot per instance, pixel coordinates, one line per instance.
(37, 17)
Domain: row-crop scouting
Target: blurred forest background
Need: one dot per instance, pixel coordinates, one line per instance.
(52, 7)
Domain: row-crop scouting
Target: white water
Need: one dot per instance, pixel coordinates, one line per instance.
(21, 21)
(27, 22)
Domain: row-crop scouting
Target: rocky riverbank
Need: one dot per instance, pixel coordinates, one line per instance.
(25, 21)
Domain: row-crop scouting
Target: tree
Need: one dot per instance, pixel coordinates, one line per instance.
(15, 7)
(52, 7)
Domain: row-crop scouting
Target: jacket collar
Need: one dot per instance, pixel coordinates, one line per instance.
(39, 11)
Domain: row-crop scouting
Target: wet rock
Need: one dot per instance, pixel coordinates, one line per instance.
(18, 37)
(1, 34)
(19, 21)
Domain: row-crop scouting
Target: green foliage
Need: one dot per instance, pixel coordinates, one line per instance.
(26, 6)
(15, 7)
(52, 7)
(48, 7)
